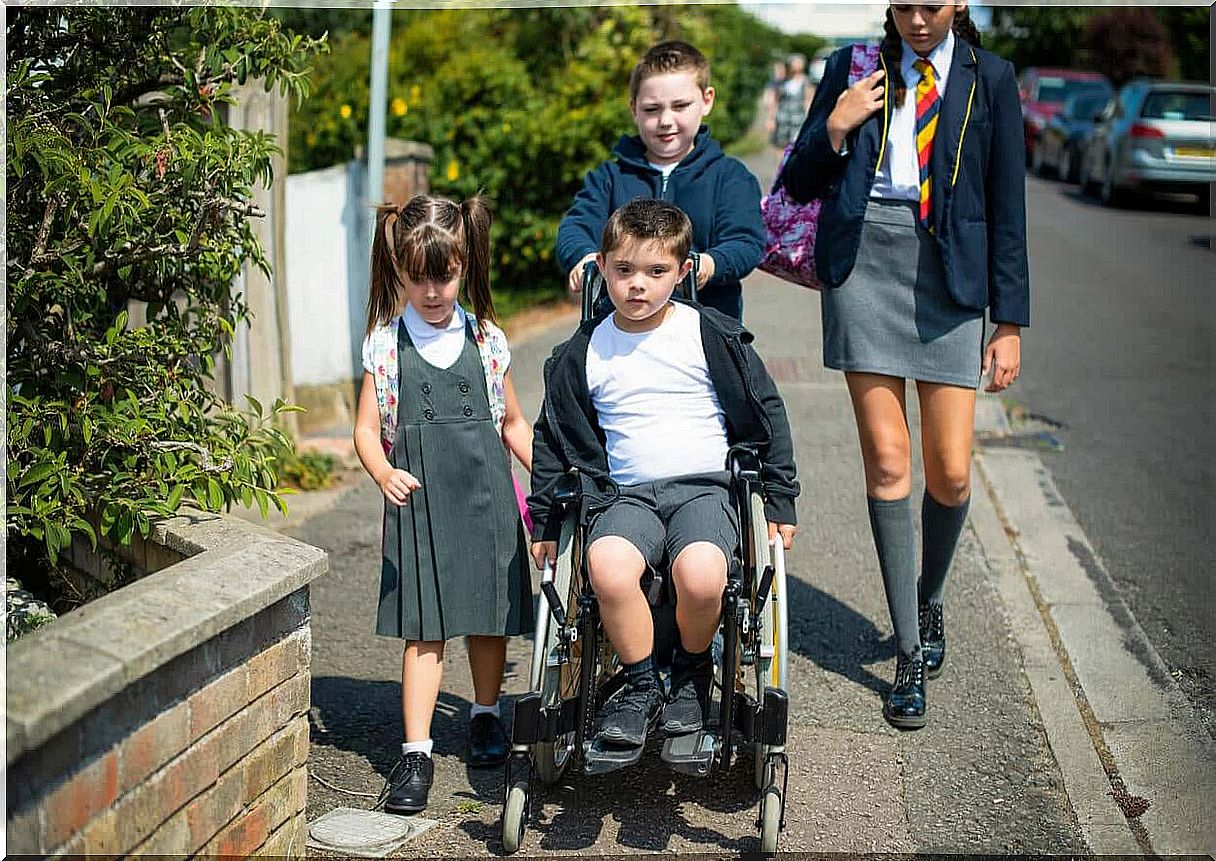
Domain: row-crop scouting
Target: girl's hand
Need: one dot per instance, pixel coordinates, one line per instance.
(787, 532)
(855, 105)
(397, 485)
(1003, 357)
(543, 551)
(575, 280)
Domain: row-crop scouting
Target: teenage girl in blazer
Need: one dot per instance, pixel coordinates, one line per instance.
(921, 172)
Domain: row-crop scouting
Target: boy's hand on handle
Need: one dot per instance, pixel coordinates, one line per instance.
(575, 281)
(787, 532)
(705, 269)
(1003, 357)
(397, 485)
(855, 105)
(543, 551)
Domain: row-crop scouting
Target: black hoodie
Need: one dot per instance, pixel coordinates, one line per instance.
(567, 432)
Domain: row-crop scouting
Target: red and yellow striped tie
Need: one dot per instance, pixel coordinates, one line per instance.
(927, 103)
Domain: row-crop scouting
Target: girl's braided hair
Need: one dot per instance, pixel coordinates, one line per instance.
(893, 49)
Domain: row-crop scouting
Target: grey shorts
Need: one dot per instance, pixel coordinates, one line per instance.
(661, 518)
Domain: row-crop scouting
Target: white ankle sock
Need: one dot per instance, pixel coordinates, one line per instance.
(477, 709)
(417, 747)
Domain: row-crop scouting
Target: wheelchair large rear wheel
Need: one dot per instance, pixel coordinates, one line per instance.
(556, 675)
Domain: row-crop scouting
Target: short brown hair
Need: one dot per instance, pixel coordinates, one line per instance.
(667, 57)
(649, 220)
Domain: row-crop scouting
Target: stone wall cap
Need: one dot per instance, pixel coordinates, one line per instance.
(233, 569)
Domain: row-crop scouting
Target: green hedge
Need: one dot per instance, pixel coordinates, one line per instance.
(522, 103)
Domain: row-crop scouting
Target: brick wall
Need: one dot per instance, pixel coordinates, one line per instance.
(206, 754)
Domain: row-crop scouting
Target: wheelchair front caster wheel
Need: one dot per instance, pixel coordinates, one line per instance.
(514, 816)
(770, 820)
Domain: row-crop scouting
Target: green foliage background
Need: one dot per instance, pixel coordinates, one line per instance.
(126, 191)
(1056, 36)
(522, 103)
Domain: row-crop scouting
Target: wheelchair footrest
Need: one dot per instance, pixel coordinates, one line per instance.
(693, 753)
(601, 758)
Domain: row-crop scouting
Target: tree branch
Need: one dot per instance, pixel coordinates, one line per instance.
(44, 231)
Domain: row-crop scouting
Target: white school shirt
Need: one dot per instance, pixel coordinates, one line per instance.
(440, 346)
(655, 401)
(898, 177)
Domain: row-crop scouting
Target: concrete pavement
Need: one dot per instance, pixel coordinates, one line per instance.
(1011, 761)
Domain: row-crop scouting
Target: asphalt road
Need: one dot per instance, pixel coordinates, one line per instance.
(1120, 352)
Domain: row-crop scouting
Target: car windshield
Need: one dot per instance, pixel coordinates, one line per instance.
(1084, 107)
(1178, 105)
(1054, 91)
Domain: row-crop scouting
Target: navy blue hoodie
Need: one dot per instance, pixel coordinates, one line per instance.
(717, 193)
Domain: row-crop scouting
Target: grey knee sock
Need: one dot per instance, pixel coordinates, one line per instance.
(940, 527)
(895, 540)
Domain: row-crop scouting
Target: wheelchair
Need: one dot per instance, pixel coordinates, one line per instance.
(574, 668)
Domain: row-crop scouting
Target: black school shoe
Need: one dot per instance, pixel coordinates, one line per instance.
(411, 780)
(487, 741)
(628, 717)
(905, 705)
(689, 698)
(932, 638)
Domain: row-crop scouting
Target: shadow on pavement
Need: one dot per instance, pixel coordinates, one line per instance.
(649, 803)
(836, 637)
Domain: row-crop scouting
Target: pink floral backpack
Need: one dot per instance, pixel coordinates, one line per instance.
(790, 227)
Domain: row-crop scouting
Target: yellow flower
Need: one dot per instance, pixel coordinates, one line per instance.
(415, 94)
(400, 108)
(344, 112)
(506, 258)
(506, 128)
(310, 139)
(453, 171)
(544, 254)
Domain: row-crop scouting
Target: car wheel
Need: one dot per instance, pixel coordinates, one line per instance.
(1037, 166)
(1068, 165)
(1110, 194)
(1084, 178)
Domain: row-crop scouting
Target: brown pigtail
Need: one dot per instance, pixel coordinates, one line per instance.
(965, 28)
(892, 50)
(476, 216)
(384, 293)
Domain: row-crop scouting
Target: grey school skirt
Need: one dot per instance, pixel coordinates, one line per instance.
(893, 315)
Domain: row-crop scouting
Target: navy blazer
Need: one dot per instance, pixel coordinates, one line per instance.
(979, 181)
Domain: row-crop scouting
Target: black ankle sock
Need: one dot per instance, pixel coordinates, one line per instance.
(686, 660)
(642, 674)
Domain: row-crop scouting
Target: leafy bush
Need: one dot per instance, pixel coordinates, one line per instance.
(522, 103)
(127, 191)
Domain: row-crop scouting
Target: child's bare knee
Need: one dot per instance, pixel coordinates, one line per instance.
(700, 573)
(616, 568)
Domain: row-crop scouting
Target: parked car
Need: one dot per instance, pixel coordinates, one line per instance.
(1153, 136)
(1063, 139)
(1044, 92)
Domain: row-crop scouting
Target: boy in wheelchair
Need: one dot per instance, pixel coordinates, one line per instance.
(645, 402)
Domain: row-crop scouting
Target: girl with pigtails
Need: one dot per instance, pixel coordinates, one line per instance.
(920, 170)
(437, 422)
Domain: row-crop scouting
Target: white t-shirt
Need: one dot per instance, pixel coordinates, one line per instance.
(655, 400)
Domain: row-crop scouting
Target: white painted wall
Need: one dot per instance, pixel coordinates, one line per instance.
(325, 274)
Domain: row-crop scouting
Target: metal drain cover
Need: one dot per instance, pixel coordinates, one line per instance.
(365, 833)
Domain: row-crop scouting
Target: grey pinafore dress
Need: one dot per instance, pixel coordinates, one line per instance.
(455, 558)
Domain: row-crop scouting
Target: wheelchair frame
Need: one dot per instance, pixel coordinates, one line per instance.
(574, 668)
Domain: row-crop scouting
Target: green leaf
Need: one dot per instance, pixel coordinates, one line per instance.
(215, 495)
(38, 472)
(175, 497)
